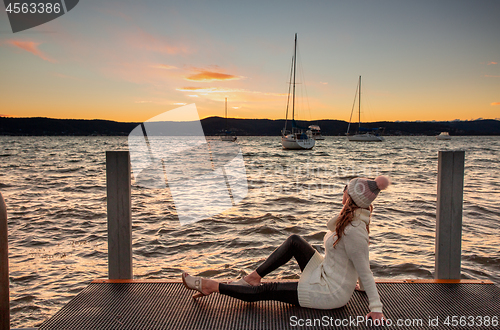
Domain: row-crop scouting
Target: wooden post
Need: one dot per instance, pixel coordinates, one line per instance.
(119, 215)
(450, 187)
(4, 268)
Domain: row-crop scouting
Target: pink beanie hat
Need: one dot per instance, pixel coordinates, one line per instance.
(364, 191)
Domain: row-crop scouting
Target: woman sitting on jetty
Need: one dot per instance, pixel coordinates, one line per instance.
(326, 282)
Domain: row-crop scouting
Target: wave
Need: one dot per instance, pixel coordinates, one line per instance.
(262, 230)
(493, 262)
(66, 170)
(408, 270)
(289, 199)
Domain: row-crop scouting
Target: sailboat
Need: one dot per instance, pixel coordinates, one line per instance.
(298, 138)
(228, 135)
(363, 134)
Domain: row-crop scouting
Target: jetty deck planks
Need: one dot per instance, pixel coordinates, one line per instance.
(134, 304)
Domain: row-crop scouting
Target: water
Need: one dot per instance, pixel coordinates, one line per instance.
(56, 195)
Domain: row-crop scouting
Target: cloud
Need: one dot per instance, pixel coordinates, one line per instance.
(164, 66)
(2, 115)
(30, 46)
(490, 76)
(179, 103)
(492, 63)
(224, 90)
(495, 103)
(212, 76)
(143, 101)
(324, 83)
(193, 95)
(208, 89)
(142, 40)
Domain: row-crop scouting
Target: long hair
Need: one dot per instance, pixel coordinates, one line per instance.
(345, 218)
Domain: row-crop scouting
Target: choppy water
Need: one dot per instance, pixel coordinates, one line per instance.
(55, 191)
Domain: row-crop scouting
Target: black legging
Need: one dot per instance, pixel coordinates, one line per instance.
(293, 246)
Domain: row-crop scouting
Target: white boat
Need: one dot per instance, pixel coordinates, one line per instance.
(365, 137)
(443, 136)
(228, 135)
(297, 141)
(363, 134)
(298, 138)
(316, 132)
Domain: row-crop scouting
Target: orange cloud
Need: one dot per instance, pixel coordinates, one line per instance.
(495, 103)
(492, 63)
(30, 46)
(211, 76)
(490, 76)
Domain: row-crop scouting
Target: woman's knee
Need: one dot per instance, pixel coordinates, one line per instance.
(296, 240)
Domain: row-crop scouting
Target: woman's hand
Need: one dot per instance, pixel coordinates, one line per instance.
(376, 316)
(358, 288)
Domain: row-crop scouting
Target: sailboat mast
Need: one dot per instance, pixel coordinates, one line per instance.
(294, 74)
(288, 97)
(226, 113)
(359, 103)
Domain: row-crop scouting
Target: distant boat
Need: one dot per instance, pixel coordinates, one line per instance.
(228, 135)
(299, 138)
(316, 132)
(443, 136)
(363, 134)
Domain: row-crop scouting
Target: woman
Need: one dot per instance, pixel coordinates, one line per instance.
(326, 282)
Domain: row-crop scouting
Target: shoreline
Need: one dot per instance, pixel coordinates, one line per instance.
(214, 126)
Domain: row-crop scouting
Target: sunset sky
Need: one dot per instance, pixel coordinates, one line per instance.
(132, 60)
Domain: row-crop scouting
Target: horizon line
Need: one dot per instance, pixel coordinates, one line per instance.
(312, 120)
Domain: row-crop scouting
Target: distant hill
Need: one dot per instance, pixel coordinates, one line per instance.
(242, 127)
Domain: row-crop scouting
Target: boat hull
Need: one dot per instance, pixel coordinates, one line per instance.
(444, 136)
(230, 138)
(365, 138)
(297, 144)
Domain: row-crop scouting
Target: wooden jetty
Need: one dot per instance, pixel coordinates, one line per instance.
(120, 302)
(412, 304)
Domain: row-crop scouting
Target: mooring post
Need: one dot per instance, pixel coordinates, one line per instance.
(450, 188)
(4, 268)
(119, 215)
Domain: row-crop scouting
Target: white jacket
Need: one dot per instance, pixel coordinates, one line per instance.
(328, 282)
